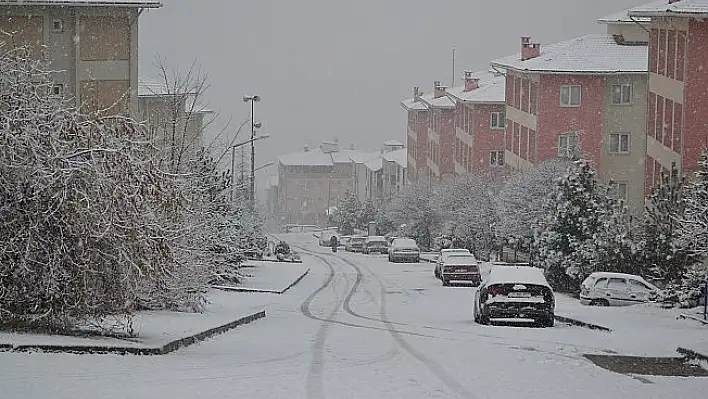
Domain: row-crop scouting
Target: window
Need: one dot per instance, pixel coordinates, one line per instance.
(618, 190)
(496, 158)
(622, 94)
(498, 120)
(617, 284)
(601, 283)
(568, 145)
(57, 26)
(619, 143)
(58, 90)
(636, 285)
(570, 96)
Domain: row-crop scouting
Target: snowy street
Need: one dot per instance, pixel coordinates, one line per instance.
(355, 327)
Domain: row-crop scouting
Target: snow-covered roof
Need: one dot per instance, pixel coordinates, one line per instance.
(84, 3)
(398, 156)
(374, 164)
(411, 104)
(393, 143)
(344, 155)
(440, 102)
(621, 17)
(491, 90)
(362, 157)
(314, 157)
(589, 54)
(662, 8)
(516, 274)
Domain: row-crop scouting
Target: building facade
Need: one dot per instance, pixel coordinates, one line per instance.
(584, 98)
(479, 123)
(677, 127)
(416, 137)
(441, 134)
(93, 46)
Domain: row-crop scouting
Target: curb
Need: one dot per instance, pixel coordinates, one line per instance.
(258, 291)
(160, 350)
(691, 354)
(581, 323)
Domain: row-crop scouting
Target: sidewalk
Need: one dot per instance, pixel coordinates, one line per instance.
(269, 277)
(158, 332)
(645, 329)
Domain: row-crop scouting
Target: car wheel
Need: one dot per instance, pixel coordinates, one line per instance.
(445, 283)
(603, 302)
(417, 260)
(483, 320)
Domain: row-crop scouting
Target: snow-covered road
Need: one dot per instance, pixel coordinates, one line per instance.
(356, 327)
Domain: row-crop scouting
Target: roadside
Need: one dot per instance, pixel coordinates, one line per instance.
(268, 277)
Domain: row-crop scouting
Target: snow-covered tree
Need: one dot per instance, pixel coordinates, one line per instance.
(564, 241)
(694, 224)
(414, 208)
(366, 213)
(346, 213)
(617, 240)
(85, 215)
(523, 198)
(664, 253)
(467, 204)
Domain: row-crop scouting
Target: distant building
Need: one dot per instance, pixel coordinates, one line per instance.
(311, 183)
(479, 123)
(677, 128)
(584, 97)
(417, 137)
(93, 45)
(441, 133)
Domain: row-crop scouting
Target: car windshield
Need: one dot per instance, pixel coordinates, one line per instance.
(314, 199)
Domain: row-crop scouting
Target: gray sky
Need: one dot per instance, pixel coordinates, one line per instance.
(329, 68)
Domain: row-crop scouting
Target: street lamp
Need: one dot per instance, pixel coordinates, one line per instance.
(254, 125)
(233, 158)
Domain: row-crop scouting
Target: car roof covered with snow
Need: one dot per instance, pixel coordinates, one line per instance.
(461, 259)
(375, 238)
(404, 243)
(516, 274)
(599, 275)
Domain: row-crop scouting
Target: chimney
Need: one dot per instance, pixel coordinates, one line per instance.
(470, 82)
(438, 89)
(307, 149)
(529, 50)
(416, 94)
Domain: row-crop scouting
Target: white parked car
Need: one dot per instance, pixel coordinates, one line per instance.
(404, 249)
(616, 289)
(444, 254)
(515, 294)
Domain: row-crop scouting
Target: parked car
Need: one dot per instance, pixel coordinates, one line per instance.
(375, 244)
(515, 294)
(460, 269)
(343, 241)
(355, 244)
(443, 255)
(404, 249)
(616, 289)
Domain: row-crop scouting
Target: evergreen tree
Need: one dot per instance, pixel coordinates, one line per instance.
(365, 214)
(617, 244)
(346, 213)
(666, 258)
(694, 225)
(564, 242)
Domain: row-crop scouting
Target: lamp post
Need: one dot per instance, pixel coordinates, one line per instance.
(233, 158)
(253, 99)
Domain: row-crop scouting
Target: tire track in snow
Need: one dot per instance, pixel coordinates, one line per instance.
(438, 371)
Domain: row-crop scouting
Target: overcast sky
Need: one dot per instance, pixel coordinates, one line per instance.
(330, 68)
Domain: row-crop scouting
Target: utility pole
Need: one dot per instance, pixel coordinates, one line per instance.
(254, 125)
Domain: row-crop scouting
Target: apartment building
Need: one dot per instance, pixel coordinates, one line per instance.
(311, 182)
(479, 123)
(584, 97)
(394, 163)
(174, 119)
(441, 133)
(677, 128)
(92, 44)
(417, 137)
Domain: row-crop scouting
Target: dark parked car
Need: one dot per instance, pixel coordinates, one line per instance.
(515, 294)
(403, 249)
